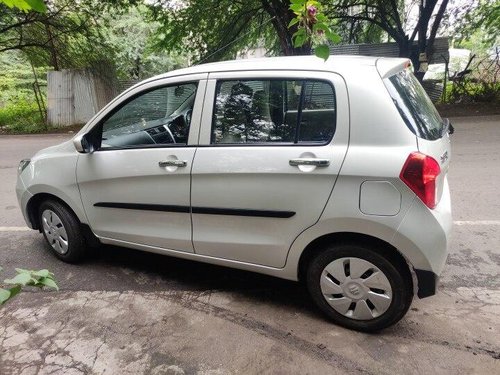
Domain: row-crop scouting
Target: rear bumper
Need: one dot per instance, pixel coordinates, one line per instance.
(423, 238)
(424, 234)
(427, 283)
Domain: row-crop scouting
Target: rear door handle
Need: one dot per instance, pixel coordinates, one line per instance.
(172, 163)
(310, 161)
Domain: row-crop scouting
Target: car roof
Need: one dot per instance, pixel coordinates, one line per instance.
(341, 64)
(335, 63)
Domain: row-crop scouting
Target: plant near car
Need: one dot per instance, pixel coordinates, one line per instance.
(26, 5)
(24, 278)
(313, 28)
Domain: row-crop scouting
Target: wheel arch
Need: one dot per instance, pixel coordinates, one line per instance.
(34, 203)
(33, 207)
(381, 246)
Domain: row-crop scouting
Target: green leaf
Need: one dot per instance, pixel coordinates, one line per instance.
(22, 279)
(297, 8)
(322, 51)
(299, 40)
(293, 22)
(4, 295)
(49, 282)
(26, 5)
(333, 37)
(299, 32)
(15, 290)
(11, 3)
(320, 26)
(41, 273)
(37, 5)
(301, 2)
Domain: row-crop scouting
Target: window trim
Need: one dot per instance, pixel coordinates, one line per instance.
(299, 112)
(265, 144)
(96, 131)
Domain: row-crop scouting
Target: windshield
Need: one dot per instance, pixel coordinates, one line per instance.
(414, 105)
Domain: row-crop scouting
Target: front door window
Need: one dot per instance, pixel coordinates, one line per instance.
(158, 117)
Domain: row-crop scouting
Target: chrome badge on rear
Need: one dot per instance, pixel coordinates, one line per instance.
(444, 157)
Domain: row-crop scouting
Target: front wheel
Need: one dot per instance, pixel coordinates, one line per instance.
(61, 230)
(358, 288)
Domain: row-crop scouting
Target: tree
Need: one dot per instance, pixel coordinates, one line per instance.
(476, 16)
(132, 38)
(211, 30)
(67, 35)
(390, 16)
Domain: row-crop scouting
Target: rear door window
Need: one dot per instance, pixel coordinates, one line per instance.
(274, 111)
(414, 105)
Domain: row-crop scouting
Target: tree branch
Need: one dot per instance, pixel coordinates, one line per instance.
(435, 27)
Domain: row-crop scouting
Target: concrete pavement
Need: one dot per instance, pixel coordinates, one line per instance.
(127, 312)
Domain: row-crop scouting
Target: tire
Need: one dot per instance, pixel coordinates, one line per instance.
(61, 230)
(358, 288)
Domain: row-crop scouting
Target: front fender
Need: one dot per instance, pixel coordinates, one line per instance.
(52, 171)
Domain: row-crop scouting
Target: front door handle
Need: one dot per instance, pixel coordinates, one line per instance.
(172, 163)
(310, 161)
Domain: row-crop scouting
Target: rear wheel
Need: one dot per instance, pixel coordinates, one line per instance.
(61, 230)
(359, 288)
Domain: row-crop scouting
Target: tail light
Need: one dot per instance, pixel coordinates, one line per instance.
(419, 173)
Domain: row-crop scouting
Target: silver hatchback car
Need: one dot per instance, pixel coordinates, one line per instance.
(333, 173)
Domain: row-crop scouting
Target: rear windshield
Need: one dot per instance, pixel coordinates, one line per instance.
(414, 105)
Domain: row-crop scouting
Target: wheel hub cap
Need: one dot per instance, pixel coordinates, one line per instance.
(356, 288)
(54, 231)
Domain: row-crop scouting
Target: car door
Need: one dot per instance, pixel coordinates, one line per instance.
(135, 187)
(271, 147)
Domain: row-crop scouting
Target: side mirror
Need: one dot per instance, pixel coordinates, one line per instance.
(82, 144)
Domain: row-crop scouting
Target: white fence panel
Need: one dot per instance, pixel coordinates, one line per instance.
(74, 96)
(83, 92)
(60, 99)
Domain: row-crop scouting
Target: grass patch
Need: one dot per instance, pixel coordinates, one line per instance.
(21, 116)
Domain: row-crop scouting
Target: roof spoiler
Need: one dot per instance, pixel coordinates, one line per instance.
(387, 67)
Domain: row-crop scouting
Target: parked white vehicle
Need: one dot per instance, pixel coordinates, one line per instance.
(332, 173)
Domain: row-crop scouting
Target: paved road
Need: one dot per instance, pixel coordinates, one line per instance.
(127, 312)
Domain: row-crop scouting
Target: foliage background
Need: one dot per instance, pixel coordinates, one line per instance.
(129, 40)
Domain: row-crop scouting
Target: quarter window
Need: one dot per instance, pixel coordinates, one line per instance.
(273, 111)
(414, 105)
(157, 117)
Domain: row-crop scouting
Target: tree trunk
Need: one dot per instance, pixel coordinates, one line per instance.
(54, 61)
(281, 17)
